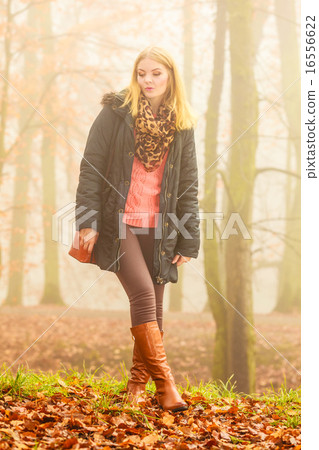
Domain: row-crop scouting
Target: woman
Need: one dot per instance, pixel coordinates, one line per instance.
(142, 222)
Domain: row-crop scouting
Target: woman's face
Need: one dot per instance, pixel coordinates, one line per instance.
(152, 78)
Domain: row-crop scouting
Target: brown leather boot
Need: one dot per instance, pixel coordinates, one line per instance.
(139, 375)
(150, 345)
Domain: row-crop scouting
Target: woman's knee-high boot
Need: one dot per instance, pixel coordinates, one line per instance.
(150, 346)
(139, 374)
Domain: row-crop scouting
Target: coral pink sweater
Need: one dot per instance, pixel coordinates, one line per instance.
(142, 201)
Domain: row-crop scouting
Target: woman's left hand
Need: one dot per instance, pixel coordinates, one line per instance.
(179, 259)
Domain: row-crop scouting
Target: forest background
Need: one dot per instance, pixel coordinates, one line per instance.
(240, 63)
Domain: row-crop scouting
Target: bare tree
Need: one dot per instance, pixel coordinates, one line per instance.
(7, 59)
(21, 183)
(51, 292)
(176, 289)
(241, 177)
(212, 249)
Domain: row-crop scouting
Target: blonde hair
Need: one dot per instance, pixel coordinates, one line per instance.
(175, 96)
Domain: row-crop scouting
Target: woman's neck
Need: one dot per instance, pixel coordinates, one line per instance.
(155, 104)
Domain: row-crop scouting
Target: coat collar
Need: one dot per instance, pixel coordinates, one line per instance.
(115, 99)
(125, 114)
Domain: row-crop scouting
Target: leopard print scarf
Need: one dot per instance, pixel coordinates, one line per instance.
(153, 135)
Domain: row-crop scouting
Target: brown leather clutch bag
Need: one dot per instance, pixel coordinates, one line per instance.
(79, 253)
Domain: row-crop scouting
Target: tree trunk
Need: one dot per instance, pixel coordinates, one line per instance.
(176, 289)
(22, 177)
(289, 285)
(7, 56)
(259, 18)
(51, 294)
(241, 175)
(211, 246)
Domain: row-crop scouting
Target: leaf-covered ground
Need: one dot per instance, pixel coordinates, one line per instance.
(74, 410)
(103, 338)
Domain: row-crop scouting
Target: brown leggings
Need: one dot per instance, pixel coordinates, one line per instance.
(136, 265)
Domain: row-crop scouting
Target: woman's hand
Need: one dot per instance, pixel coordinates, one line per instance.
(88, 237)
(179, 259)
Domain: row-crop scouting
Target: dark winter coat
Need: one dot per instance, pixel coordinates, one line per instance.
(100, 205)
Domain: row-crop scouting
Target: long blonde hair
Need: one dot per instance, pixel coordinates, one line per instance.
(175, 96)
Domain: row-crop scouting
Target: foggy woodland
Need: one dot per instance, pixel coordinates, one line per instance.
(240, 299)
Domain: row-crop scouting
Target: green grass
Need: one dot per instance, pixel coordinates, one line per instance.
(287, 404)
(213, 390)
(26, 383)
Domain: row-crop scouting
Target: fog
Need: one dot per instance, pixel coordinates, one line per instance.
(58, 60)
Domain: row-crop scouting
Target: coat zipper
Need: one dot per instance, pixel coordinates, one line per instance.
(119, 244)
(163, 225)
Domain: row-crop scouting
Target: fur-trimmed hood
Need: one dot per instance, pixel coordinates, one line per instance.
(115, 99)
